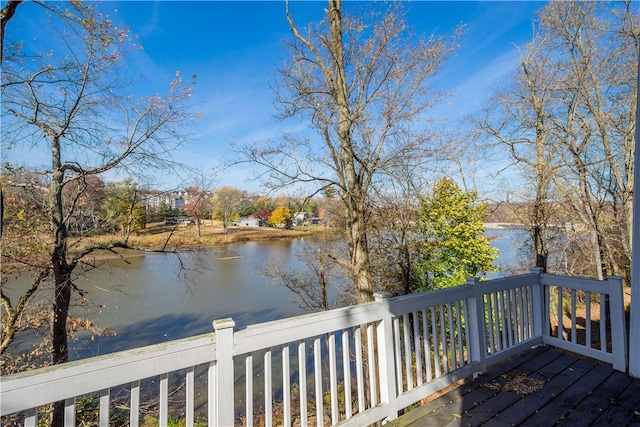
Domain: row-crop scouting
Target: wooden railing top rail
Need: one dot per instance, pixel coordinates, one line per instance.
(85, 376)
(284, 331)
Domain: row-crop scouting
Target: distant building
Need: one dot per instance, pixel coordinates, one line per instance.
(248, 222)
(305, 218)
(179, 202)
(179, 220)
(153, 199)
(171, 199)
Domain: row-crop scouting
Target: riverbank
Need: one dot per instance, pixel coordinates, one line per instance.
(157, 237)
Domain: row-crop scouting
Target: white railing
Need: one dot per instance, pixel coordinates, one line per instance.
(351, 366)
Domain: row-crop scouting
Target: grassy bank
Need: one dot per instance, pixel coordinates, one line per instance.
(158, 235)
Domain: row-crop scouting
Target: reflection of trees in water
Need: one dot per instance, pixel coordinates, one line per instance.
(318, 280)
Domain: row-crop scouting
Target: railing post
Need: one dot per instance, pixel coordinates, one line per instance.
(386, 355)
(539, 305)
(221, 404)
(476, 326)
(618, 325)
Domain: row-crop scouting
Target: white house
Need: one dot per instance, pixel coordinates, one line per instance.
(248, 222)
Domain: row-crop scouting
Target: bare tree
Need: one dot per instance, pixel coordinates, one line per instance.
(568, 118)
(73, 102)
(518, 118)
(198, 200)
(363, 85)
(592, 42)
(320, 286)
(225, 202)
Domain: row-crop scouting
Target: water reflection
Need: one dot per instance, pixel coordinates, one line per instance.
(147, 300)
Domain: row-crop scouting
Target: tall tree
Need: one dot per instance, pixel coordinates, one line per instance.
(70, 100)
(225, 202)
(518, 118)
(363, 85)
(198, 200)
(569, 118)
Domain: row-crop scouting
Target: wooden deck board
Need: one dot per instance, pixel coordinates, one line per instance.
(617, 414)
(433, 408)
(577, 391)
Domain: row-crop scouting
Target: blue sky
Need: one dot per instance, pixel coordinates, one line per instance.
(234, 48)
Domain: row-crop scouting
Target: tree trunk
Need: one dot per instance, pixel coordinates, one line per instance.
(355, 193)
(61, 271)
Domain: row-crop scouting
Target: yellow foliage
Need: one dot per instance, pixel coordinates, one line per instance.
(280, 216)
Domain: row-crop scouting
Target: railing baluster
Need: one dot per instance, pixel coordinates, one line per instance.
(302, 376)
(467, 330)
(134, 414)
(317, 364)
(211, 393)
(452, 337)
(528, 301)
(560, 322)
(506, 299)
(416, 345)
(189, 383)
(373, 389)
(497, 321)
(286, 386)
(398, 352)
(70, 412)
(515, 316)
(489, 311)
(105, 396)
(359, 368)
(588, 318)
(164, 399)
(346, 368)
(436, 341)
(268, 398)
(443, 339)
(333, 378)
(574, 332)
(406, 320)
(603, 323)
(519, 303)
(427, 345)
(505, 320)
(248, 392)
(526, 311)
(459, 330)
(31, 417)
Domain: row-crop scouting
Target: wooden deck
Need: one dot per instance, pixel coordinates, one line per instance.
(576, 391)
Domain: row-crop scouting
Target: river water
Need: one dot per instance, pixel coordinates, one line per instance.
(145, 299)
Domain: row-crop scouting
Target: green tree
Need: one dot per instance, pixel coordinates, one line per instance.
(122, 208)
(281, 215)
(452, 246)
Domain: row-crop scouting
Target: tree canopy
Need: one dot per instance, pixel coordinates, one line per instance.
(452, 246)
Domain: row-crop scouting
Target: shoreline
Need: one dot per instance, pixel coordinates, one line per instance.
(154, 237)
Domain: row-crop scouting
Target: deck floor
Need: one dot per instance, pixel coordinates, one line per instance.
(576, 391)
